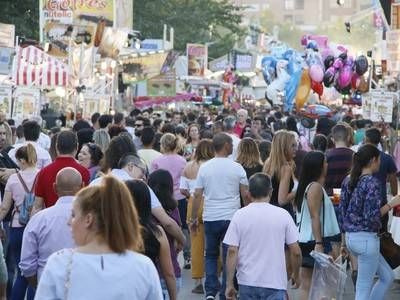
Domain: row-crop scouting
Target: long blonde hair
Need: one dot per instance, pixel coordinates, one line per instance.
(279, 156)
(248, 153)
(116, 217)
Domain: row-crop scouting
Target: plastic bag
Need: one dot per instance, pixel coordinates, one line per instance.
(328, 279)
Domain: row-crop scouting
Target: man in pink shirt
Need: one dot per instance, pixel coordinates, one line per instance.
(256, 237)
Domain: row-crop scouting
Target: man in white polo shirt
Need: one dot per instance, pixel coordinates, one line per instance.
(256, 237)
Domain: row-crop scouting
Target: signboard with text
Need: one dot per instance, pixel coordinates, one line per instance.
(378, 106)
(197, 56)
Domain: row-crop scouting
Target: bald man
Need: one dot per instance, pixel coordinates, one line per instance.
(48, 230)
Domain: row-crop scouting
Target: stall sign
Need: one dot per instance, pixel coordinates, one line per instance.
(393, 50)
(162, 85)
(197, 56)
(26, 103)
(6, 60)
(219, 64)
(142, 67)
(5, 99)
(7, 35)
(378, 106)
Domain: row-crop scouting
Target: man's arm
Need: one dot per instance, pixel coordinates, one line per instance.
(231, 262)
(168, 224)
(29, 253)
(244, 192)
(295, 261)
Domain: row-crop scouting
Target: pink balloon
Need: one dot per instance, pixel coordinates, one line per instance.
(345, 75)
(338, 64)
(316, 73)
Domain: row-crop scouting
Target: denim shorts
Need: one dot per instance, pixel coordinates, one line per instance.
(258, 293)
(165, 289)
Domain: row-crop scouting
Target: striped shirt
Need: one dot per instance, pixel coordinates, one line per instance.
(339, 165)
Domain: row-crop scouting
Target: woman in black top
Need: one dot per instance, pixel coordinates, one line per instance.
(280, 167)
(155, 240)
(248, 156)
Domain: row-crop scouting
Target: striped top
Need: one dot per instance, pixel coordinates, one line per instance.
(339, 165)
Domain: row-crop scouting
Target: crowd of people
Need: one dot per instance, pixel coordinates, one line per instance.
(102, 210)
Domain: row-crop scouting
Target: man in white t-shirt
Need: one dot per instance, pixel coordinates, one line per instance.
(147, 153)
(257, 236)
(32, 133)
(229, 126)
(222, 181)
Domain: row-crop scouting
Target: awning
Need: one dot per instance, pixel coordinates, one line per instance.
(36, 68)
(143, 102)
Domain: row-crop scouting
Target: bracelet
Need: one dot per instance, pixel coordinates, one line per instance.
(318, 243)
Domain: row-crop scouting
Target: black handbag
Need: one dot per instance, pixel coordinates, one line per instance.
(390, 250)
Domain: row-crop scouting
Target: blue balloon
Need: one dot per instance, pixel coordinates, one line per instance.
(268, 65)
(294, 69)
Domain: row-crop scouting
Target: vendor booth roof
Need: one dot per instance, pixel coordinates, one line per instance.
(146, 101)
(36, 68)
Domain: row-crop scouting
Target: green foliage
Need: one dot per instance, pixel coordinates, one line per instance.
(194, 21)
(24, 14)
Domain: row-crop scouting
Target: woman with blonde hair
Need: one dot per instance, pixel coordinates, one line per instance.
(106, 263)
(203, 153)
(249, 157)
(16, 188)
(174, 163)
(280, 167)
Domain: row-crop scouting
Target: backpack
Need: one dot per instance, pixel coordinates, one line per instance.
(25, 208)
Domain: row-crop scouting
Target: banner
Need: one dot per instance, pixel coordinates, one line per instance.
(378, 106)
(244, 62)
(6, 60)
(197, 56)
(142, 67)
(5, 99)
(219, 64)
(162, 85)
(7, 35)
(57, 18)
(26, 103)
(393, 50)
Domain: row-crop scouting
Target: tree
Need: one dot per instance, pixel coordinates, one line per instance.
(194, 21)
(24, 15)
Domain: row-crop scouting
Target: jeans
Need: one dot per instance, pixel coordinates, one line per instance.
(214, 235)
(21, 284)
(365, 246)
(258, 293)
(182, 207)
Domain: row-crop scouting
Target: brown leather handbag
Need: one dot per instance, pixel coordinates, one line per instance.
(390, 250)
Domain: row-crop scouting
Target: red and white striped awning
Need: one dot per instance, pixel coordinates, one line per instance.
(36, 68)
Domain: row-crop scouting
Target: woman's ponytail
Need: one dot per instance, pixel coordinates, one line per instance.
(361, 159)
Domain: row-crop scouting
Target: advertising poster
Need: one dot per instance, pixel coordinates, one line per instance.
(162, 85)
(378, 106)
(26, 103)
(142, 67)
(6, 60)
(393, 50)
(197, 56)
(57, 18)
(5, 99)
(7, 35)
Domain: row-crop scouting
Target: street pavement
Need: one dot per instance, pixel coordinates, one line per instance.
(187, 286)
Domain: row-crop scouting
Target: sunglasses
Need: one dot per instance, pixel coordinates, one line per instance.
(138, 125)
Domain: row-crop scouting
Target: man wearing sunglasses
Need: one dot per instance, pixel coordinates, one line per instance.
(132, 167)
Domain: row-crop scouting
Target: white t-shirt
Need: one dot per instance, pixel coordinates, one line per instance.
(43, 156)
(128, 276)
(44, 141)
(235, 142)
(220, 178)
(261, 230)
(124, 176)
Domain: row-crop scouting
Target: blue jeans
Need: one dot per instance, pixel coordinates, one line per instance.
(258, 293)
(20, 286)
(214, 235)
(366, 247)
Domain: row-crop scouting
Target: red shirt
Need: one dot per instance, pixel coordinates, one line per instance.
(47, 177)
(238, 130)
